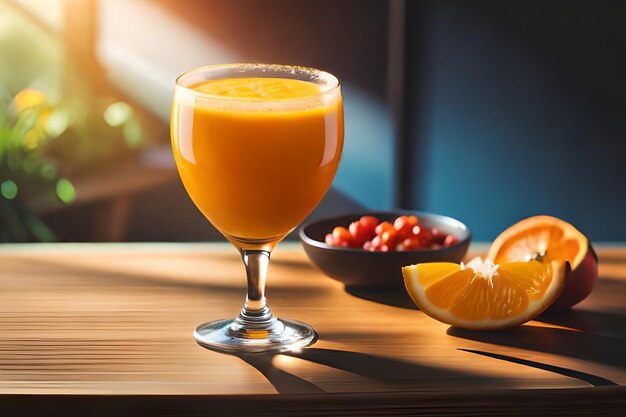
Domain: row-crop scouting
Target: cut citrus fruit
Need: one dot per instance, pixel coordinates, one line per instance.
(481, 295)
(546, 238)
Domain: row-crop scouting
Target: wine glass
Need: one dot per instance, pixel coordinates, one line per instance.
(257, 147)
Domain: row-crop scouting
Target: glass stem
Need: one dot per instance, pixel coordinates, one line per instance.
(257, 263)
(255, 319)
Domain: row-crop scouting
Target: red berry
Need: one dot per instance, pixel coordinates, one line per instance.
(425, 237)
(342, 236)
(450, 240)
(374, 245)
(359, 233)
(376, 241)
(411, 243)
(329, 239)
(369, 224)
(403, 226)
(387, 233)
(388, 237)
(369, 221)
(438, 236)
(384, 226)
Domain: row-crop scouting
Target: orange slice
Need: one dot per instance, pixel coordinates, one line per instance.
(540, 237)
(482, 295)
(546, 238)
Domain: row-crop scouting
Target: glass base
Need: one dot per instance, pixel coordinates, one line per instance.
(227, 336)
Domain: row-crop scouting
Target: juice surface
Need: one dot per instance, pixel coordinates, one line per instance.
(257, 173)
(259, 89)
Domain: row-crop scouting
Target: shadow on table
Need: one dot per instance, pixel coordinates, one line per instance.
(606, 323)
(582, 344)
(391, 297)
(394, 372)
(595, 380)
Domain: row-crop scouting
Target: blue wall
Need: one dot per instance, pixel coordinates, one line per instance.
(519, 109)
(367, 162)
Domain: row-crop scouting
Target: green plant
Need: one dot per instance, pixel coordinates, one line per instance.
(28, 123)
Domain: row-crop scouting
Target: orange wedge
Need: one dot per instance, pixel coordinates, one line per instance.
(546, 238)
(481, 295)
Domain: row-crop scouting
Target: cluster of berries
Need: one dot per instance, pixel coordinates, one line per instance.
(404, 234)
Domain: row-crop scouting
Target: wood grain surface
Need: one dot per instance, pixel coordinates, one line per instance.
(86, 321)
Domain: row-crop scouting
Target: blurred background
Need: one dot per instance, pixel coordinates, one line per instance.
(487, 111)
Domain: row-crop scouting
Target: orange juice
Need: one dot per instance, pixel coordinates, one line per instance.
(256, 155)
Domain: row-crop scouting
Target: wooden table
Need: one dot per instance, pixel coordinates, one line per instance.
(105, 329)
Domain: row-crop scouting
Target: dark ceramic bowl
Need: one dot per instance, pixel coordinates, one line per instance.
(360, 268)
